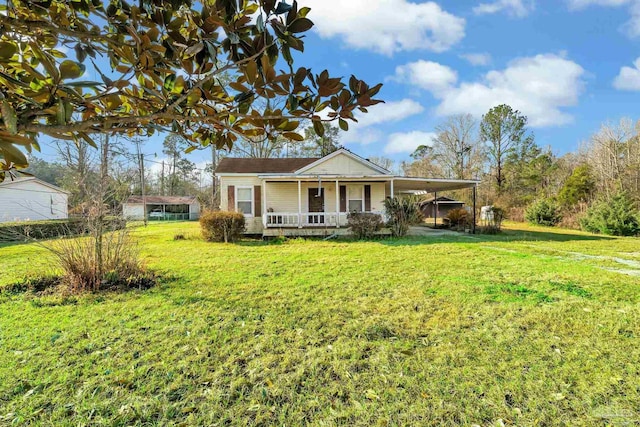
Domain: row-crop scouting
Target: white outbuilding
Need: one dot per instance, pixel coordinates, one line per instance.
(31, 199)
(161, 208)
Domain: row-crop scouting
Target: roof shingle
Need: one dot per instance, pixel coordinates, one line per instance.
(246, 165)
(162, 200)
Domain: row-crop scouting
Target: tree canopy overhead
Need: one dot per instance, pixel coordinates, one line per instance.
(159, 65)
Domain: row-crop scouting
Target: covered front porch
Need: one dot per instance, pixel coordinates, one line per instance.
(323, 202)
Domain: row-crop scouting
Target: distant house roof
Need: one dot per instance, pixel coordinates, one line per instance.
(162, 200)
(442, 199)
(10, 182)
(244, 165)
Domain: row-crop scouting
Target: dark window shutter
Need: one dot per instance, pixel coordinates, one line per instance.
(231, 196)
(257, 200)
(367, 198)
(343, 198)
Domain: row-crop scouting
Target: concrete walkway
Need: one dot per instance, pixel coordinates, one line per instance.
(420, 231)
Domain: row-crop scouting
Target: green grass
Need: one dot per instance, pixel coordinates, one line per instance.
(533, 327)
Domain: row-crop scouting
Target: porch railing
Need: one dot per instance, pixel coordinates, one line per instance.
(305, 219)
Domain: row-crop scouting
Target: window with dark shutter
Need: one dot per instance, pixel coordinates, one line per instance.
(257, 200)
(367, 198)
(231, 196)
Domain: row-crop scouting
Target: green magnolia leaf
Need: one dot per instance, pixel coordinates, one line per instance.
(293, 136)
(9, 116)
(260, 23)
(7, 50)
(344, 125)
(84, 84)
(61, 114)
(170, 82)
(71, 70)
(318, 128)
(88, 140)
(282, 8)
(300, 25)
(12, 155)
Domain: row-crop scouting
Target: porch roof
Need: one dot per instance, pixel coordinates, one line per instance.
(402, 184)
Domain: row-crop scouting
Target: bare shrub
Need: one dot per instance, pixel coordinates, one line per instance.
(402, 212)
(222, 226)
(112, 263)
(364, 225)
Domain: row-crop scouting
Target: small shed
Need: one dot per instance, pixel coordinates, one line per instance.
(31, 199)
(439, 207)
(162, 207)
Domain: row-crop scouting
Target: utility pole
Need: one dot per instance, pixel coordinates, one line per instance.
(142, 183)
(214, 164)
(162, 180)
(100, 214)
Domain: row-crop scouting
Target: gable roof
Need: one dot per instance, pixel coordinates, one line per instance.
(442, 199)
(9, 182)
(162, 200)
(353, 156)
(246, 165)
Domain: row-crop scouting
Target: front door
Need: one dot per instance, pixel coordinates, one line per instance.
(316, 204)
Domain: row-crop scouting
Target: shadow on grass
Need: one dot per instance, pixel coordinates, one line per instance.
(505, 236)
(438, 237)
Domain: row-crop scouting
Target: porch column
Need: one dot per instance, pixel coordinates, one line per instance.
(475, 191)
(337, 204)
(392, 193)
(299, 204)
(264, 204)
(435, 209)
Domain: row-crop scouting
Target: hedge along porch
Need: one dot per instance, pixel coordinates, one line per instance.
(313, 196)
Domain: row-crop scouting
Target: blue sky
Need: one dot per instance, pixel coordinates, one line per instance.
(569, 65)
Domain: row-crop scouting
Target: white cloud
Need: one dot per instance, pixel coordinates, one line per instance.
(408, 142)
(517, 8)
(365, 132)
(477, 59)
(628, 78)
(427, 75)
(387, 26)
(538, 86)
(631, 27)
(581, 4)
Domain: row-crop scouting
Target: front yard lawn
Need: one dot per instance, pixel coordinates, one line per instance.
(534, 327)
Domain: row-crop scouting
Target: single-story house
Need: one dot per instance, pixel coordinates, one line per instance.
(312, 196)
(31, 199)
(161, 207)
(439, 207)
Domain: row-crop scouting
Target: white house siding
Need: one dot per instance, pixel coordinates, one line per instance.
(132, 211)
(194, 211)
(342, 165)
(253, 223)
(29, 200)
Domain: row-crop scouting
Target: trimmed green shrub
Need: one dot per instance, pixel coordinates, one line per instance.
(40, 230)
(543, 212)
(578, 188)
(222, 226)
(402, 212)
(364, 225)
(617, 216)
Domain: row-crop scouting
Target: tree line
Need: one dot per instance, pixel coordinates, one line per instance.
(532, 182)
